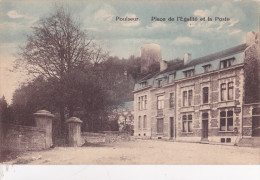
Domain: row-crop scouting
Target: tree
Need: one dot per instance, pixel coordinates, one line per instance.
(252, 74)
(5, 111)
(58, 50)
(30, 97)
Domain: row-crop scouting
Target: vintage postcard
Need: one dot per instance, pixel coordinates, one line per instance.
(129, 82)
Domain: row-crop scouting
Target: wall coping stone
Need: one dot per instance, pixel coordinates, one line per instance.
(73, 120)
(43, 113)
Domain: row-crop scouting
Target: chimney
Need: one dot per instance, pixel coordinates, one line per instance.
(252, 38)
(163, 65)
(187, 58)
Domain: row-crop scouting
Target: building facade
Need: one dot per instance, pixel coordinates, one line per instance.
(201, 99)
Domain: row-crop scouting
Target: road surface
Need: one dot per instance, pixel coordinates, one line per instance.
(144, 152)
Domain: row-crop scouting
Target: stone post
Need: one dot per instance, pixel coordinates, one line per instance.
(74, 131)
(43, 119)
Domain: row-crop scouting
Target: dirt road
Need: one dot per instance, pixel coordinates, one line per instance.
(144, 152)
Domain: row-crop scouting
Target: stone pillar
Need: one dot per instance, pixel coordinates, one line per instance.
(74, 131)
(43, 119)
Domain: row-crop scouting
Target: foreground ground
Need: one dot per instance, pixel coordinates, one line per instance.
(144, 152)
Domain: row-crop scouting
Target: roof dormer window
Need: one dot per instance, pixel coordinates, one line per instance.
(171, 77)
(189, 73)
(226, 63)
(207, 68)
(143, 84)
(159, 82)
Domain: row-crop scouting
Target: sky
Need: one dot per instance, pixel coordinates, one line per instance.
(121, 38)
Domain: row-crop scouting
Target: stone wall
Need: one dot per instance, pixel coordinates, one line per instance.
(23, 138)
(116, 136)
(104, 137)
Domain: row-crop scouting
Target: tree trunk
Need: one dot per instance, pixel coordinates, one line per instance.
(62, 120)
(71, 110)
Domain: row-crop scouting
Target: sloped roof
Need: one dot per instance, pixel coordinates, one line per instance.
(148, 76)
(218, 55)
(173, 65)
(176, 65)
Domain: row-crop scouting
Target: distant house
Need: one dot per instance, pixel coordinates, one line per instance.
(203, 99)
(124, 115)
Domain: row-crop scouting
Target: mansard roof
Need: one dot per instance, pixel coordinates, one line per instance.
(178, 65)
(218, 55)
(148, 76)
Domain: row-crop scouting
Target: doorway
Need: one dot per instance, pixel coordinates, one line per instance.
(205, 129)
(171, 127)
(205, 125)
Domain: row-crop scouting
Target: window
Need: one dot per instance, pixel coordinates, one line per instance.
(187, 98)
(206, 68)
(145, 101)
(223, 91)
(226, 121)
(171, 77)
(142, 102)
(190, 98)
(230, 90)
(171, 100)
(139, 103)
(226, 63)
(144, 123)
(187, 123)
(205, 95)
(159, 83)
(226, 91)
(160, 125)
(189, 73)
(184, 98)
(143, 84)
(160, 103)
(139, 122)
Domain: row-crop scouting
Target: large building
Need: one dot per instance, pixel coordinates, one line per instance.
(203, 99)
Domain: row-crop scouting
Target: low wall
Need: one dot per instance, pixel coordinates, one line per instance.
(92, 137)
(104, 137)
(23, 138)
(116, 136)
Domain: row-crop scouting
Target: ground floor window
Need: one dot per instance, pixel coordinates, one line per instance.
(226, 120)
(160, 125)
(139, 122)
(145, 122)
(187, 123)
